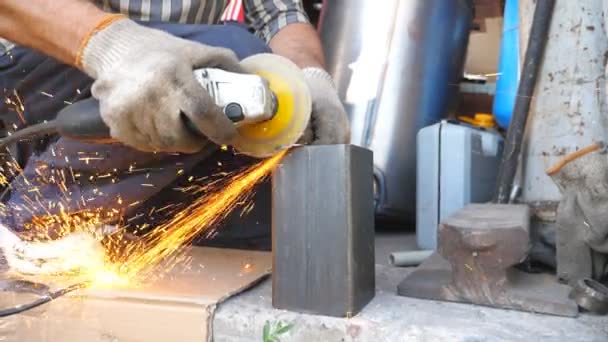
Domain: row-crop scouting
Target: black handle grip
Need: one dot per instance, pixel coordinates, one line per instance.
(82, 121)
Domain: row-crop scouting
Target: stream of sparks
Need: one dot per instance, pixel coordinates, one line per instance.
(155, 253)
(164, 243)
(140, 261)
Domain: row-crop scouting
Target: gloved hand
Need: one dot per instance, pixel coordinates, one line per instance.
(328, 123)
(144, 82)
(582, 215)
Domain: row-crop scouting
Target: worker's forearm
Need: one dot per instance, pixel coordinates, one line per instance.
(300, 43)
(54, 28)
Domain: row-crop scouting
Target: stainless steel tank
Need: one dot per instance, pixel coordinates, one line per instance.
(397, 65)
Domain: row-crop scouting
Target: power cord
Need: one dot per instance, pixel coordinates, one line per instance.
(24, 286)
(30, 132)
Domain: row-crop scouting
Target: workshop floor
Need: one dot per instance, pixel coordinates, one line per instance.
(393, 318)
(388, 242)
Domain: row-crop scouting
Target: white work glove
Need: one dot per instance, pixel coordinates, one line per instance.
(328, 123)
(144, 82)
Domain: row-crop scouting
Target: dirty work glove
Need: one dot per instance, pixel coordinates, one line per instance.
(582, 214)
(144, 82)
(328, 122)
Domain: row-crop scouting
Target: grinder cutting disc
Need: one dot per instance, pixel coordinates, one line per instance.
(294, 106)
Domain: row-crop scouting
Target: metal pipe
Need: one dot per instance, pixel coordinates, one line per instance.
(408, 258)
(397, 67)
(532, 61)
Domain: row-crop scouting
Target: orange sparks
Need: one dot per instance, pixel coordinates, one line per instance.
(17, 104)
(164, 243)
(129, 261)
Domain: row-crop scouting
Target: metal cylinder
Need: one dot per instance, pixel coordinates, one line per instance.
(569, 109)
(567, 113)
(527, 84)
(397, 66)
(408, 258)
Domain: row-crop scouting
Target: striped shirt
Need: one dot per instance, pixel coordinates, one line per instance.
(264, 17)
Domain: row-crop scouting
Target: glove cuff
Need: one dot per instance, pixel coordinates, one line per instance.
(112, 39)
(319, 74)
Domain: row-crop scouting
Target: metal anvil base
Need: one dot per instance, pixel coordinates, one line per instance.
(477, 249)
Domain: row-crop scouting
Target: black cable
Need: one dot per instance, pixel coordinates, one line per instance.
(42, 300)
(31, 132)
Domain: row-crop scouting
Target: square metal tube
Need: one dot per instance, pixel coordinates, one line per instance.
(323, 230)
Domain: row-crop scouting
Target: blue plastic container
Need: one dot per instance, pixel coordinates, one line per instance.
(508, 66)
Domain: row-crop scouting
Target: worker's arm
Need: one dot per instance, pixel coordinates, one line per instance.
(300, 43)
(55, 28)
(285, 26)
(143, 77)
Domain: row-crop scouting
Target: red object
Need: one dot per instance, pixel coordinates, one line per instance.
(234, 12)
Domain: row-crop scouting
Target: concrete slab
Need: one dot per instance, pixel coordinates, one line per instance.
(392, 318)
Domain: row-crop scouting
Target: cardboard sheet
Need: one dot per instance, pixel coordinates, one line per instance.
(484, 49)
(178, 307)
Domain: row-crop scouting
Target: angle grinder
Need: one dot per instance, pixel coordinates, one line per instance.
(270, 105)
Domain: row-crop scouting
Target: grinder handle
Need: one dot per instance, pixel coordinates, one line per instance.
(82, 121)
